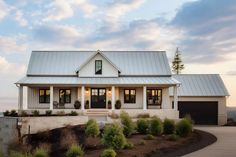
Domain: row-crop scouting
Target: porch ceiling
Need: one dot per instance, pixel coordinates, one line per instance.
(98, 81)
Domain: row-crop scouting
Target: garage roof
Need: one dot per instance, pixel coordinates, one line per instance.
(200, 85)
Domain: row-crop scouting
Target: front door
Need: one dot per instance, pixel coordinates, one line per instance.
(98, 98)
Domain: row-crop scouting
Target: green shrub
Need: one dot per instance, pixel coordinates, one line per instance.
(35, 113)
(13, 113)
(143, 115)
(113, 136)
(129, 145)
(156, 126)
(73, 113)
(92, 128)
(142, 142)
(188, 117)
(108, 153)
(169, 126)
(75, 151)
(1, 153)
(142, 126)
(183, 127)
(148, 137)
(6, 113)
(173, 137)
(77, 104)
(39, 152)
(128, 125)
(18, 154)
(48, 112)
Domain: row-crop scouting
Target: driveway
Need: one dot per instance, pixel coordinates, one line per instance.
(225, 146)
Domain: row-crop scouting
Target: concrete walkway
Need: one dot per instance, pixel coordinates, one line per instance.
(225, 146)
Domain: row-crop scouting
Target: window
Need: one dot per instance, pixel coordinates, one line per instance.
(64, 96)
(130, 96)
(44, 96)
(154, 97)
(98, 67)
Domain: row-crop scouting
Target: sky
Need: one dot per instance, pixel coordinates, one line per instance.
(204, 31)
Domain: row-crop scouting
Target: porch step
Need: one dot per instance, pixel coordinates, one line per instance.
(98, 118)
(97, 112)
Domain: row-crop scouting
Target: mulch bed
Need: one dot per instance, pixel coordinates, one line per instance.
(157, 147)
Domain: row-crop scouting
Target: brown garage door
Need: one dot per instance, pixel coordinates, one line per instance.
(201, 112)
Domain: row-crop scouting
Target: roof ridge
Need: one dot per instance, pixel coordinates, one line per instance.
(96, 51)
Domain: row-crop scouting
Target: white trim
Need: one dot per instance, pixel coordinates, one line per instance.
(144, 97)
(113, 97)
(82, 98)
(51, 98)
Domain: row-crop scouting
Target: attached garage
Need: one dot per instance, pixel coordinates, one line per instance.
(203, 97)
(202, 112)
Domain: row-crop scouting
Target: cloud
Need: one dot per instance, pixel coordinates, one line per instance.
(4, 9)
(62, 9)
(20, 18)
(11, 68)
(209, 29)
(116, 10)
(11, 45)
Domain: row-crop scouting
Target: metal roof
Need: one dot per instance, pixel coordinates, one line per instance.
(98, 81)
(129, 62)
(200, 85)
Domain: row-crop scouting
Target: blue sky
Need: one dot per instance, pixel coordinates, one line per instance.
(204, 30)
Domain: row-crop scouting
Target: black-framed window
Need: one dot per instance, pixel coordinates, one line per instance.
(98, 67)
(154, 97)
(130, 96)
(64, 96)
(44, 96)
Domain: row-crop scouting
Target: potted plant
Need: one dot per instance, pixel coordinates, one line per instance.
(77, 104)
(118, 104)
(87, 104)
(109, 104)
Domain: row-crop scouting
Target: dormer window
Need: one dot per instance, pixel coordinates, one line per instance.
(98, 67)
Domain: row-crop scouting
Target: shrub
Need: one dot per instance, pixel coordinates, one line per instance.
(18, 154)
(142, 126)
(35, 113)
(77, 104)
(92, 128)
(118, 104)
(6, 113)
(148, 137)
(1, 153)
(142, 142)
(113, 136)
(68, 138)
(73, 113)
(129, 145)
(48, 112)
(39, 152)
(108, 153)
(109, 104)
(143, 115)
(173, 137)
(128, 125)
(13, 113)
(183, 127)
(23, 114)
(75, 151)
(188, 117)
(156, 126)
(169, 126)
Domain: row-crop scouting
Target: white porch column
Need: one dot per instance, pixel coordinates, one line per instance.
(144, 98)
(20, 98)
(82, 98)
(113, 96)
(51, 98)
(175, 98)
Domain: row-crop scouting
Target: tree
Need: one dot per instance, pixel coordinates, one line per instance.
(177, 65)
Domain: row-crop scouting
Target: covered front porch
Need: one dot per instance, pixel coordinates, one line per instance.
(58, 97)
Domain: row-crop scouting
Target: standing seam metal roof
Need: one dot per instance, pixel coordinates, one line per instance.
(129, 62)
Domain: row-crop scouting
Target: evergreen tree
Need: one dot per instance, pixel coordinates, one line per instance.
(177, 65)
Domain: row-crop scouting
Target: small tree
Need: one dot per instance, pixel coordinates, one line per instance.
(128, 125)
(177, 65)
(92, 128)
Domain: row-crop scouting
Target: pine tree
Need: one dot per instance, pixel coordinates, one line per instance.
(177, 65)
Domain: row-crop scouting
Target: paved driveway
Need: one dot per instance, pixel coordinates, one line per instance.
(225, 146)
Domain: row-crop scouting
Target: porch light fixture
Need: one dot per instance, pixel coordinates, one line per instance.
(109, 91)
(86, 91)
